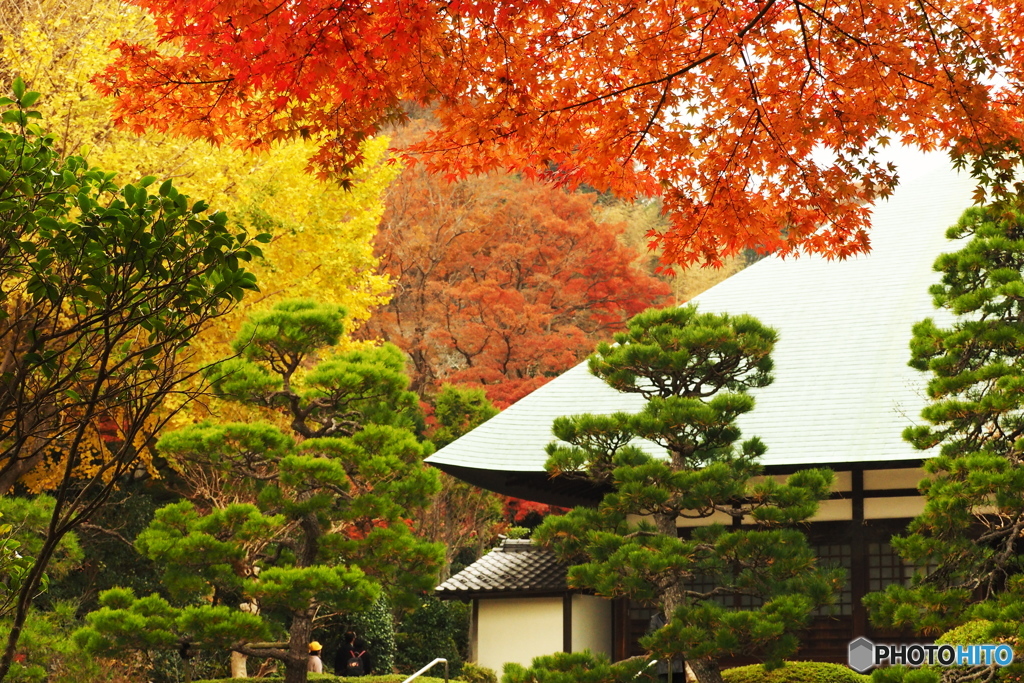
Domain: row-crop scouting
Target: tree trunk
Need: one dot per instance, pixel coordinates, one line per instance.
(298, 648)
(238, 667)
(706, 670)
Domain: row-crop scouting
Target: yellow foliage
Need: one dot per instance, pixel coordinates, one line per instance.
(322, 243)
(322, 234)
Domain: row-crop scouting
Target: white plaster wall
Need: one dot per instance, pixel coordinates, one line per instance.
(906, 478)
(893, 508)
(833, 510)
(517, 630)
(591, 624)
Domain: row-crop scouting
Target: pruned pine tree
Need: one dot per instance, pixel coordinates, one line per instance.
(968, 541)
(744, 586)
(289, 525)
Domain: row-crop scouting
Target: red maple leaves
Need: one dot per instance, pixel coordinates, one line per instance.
(757, 120)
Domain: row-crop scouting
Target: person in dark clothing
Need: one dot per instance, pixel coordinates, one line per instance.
(353, 647)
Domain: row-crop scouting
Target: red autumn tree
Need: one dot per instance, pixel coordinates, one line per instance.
(757, 120)
(501, 283)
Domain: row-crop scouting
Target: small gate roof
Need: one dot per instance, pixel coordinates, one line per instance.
(516, 566)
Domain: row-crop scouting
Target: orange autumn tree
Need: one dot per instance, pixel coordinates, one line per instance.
(501, 283)
(758, 121)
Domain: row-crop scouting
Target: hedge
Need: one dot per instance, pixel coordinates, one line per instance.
(794, 672)
(329, 678)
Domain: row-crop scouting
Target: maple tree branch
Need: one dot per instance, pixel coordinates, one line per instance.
(615, 93)
(946, 70)
(811, 65)
(650, 121)
(666, 79)
(825, 20)
(757, 18)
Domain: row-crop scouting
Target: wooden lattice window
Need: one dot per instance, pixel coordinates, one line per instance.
(837, 555)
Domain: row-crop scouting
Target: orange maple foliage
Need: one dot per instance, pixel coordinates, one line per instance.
(757, 120)
(501, 283)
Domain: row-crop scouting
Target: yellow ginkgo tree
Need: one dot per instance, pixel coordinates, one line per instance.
(322, 233)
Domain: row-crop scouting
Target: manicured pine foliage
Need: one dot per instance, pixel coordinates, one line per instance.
(726, 589)
(288, 525)
(968, 541)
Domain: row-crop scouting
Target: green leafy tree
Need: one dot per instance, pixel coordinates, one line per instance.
(286, 529)
(968, 542)
(47, 654)
(102, 290)
(724, 590)
(23, 533)
(459, 410)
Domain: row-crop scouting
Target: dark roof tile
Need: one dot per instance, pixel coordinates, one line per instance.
(515, 566)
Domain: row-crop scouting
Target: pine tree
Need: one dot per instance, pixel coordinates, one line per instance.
(725, 589)
(286, 528)
(967, 543)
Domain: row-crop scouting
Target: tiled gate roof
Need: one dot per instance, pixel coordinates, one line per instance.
(516, 566)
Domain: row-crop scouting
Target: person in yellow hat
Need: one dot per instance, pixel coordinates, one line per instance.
(315, 664)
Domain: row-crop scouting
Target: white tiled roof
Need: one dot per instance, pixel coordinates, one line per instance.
(842, 390)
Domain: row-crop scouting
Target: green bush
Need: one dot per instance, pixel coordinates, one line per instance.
(437, 628)
(574, 667)
(977, 632)
(794, 672)
(474, 673)
(376, 627)
(313, 678)
(47, 653)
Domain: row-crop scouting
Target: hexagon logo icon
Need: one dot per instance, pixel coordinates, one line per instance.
(862, 655)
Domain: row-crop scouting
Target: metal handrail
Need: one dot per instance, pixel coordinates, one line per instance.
(421, 671)
(647, 666)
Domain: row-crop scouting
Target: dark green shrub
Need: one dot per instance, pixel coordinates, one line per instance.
(794, 672)
(168, 667)
(437, 628)
(377, 628)
(905, 674)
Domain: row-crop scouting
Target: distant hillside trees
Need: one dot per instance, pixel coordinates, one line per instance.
(501, 283)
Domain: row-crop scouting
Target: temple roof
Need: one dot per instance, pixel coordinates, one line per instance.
(515, 566)
(843, 392)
